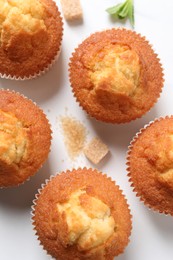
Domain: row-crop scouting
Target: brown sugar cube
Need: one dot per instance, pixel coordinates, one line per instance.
(72, 9)
(95, 150)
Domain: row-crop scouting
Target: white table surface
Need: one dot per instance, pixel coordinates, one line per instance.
(152, 234)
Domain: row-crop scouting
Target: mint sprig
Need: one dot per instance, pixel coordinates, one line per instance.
(123, 10)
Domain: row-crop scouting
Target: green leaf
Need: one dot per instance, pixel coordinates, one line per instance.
(123, 13)
(131, 14)
(114, 9)
(123, 10)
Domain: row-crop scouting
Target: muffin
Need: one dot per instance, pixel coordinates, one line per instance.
(31, 34)
(82, 214)
(25, 138)
(115, 75)
(150, 165)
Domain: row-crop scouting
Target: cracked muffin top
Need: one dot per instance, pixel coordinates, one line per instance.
(30, 36)
(82, 214)
(25, 138)
(150, 164)
(13, 138)
(115, 75)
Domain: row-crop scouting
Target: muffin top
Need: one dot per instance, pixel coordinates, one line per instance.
(88, 219)
(117, 68)
(115, 75)
(30, 36)
(25, 138)
(13, 138)
(151, 165)
(88, 216)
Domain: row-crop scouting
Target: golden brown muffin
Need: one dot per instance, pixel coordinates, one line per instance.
(30, 37)
(82, 214)
(25, 138)
(115, 75)
(150, 165)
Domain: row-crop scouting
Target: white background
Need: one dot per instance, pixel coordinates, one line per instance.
(152, 235)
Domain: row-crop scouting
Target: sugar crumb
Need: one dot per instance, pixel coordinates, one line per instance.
(74, 134)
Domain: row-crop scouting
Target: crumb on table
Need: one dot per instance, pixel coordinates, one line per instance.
(95, 150)
(72, 9)
(74, 134)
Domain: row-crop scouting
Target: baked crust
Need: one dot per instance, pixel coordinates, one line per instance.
(30, 37)
(150, 165)
(51, 230)
(116, 99)
(32, 127)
